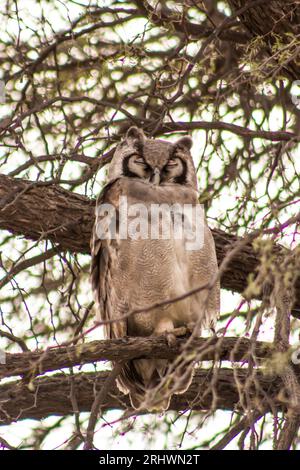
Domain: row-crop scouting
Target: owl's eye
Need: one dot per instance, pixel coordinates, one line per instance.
(171, 163)
(140, 161)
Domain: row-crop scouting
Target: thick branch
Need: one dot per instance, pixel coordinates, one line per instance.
(276, 22)
(274, 136)
(125, 349)
(41, 211)
(49, 396)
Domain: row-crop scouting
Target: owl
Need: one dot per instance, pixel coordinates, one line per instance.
(132, 271)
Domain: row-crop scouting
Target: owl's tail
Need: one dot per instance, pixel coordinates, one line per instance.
(130, 381)
(140, 376)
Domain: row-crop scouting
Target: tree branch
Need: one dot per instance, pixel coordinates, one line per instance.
(125, 349)
(49, 396)
(97, 404)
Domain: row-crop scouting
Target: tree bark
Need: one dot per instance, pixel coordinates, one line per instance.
(39, 211)
(125, 349)
(49, 396)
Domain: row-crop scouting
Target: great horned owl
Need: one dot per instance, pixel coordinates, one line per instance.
(132, 273)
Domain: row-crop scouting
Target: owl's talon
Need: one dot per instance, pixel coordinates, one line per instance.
(171, 339)
(177, 332)
(181, 331)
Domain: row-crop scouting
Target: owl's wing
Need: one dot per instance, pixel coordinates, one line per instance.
(204, 268)
(103, 251)
(214, 297)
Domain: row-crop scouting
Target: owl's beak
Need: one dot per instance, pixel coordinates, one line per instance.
(155, 177)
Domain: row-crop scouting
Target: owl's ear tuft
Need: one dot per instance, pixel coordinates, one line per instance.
(185, 143)
(135, 136)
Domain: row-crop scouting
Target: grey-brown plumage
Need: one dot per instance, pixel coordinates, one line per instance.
(131, 274)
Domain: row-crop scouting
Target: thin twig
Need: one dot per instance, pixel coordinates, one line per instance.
(99, 400)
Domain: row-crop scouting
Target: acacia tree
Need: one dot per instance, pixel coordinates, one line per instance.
(75, 76)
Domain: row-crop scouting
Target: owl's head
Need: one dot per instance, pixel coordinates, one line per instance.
(155, 161)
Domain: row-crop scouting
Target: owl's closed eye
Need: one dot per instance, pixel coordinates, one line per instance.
(135, 166)
(174, 171)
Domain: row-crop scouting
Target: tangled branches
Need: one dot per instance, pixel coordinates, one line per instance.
(74, 77)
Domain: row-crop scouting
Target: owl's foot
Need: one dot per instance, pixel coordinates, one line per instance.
(175, 333)
(170, 338)
(181, 331)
